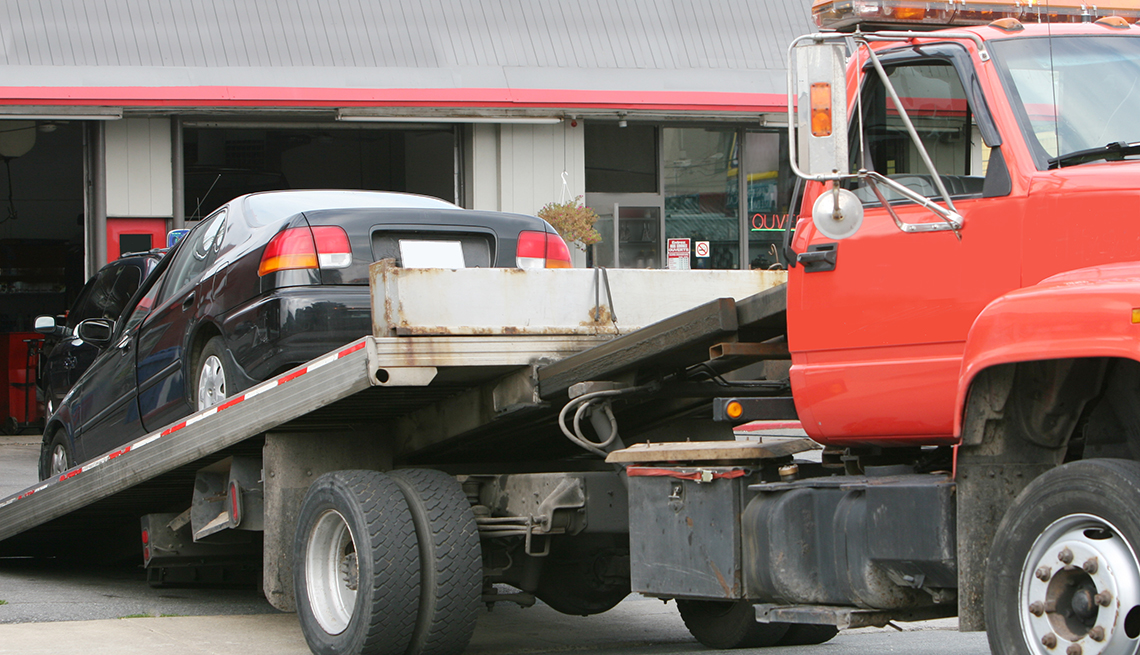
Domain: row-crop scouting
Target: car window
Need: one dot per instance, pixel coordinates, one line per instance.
(113, 289)
(194, 255)
(144, 306)
(83, 308)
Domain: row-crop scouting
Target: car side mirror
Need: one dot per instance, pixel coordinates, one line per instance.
(96, 331)
(48, 325)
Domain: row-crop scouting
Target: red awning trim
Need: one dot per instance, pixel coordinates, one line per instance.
(256, 96)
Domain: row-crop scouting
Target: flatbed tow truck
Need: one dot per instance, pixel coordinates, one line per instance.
(959, 330)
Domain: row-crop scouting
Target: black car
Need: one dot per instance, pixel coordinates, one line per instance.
(268, 281)
(105, 295)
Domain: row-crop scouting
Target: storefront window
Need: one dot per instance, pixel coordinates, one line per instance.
(769, 182)
(701, 188)
(620, 159)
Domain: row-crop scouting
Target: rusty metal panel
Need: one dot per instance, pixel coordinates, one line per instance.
(490, 301)
(684, 536)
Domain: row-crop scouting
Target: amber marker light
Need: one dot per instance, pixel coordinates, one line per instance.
(734, 409)
(1136, 315)
(821, 109)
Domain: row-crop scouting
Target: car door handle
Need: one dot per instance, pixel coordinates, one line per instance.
(188, 303)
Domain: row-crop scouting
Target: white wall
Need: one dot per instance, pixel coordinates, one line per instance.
(139, 174)
(519, 168)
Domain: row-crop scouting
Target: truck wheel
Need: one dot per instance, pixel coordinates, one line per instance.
(728, 624)
(451, 575)
(56, 457)
(804, 634)
(1063, 573)
(356, 565)
(211, 375)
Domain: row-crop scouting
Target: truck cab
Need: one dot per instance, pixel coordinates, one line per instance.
(1044, 181)
(967, 276)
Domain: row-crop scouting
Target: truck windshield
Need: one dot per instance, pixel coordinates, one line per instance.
(1073, 94)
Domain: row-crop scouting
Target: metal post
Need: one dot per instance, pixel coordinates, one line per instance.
(177, 167)
(99, 196)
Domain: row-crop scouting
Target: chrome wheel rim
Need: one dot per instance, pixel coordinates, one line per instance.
(1080, 590)
(58, 459)
(211, 383)
(331, 573)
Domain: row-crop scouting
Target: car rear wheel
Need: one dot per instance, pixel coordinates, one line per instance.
(212, 375)
(56, 458)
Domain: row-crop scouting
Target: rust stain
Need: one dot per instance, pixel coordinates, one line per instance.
(605, 317)
(720, 579)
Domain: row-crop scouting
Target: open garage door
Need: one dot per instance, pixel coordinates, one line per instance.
(223, 160)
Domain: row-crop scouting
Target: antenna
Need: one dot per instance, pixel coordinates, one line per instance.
(203, 198)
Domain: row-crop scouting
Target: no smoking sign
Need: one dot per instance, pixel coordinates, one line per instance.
(702, 248)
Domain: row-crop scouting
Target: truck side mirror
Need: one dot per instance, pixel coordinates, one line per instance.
(821, 107)
(96, 331)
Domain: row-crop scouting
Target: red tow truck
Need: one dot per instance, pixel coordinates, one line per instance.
(959, 330)
(966, 305)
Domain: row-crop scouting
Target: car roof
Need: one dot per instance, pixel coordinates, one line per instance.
(269, 206)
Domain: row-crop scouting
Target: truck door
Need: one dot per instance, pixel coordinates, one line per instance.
(877, 339)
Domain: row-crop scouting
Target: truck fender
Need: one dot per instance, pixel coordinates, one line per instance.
(1082, 313)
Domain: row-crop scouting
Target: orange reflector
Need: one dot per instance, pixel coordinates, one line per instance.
(910, 13)
(821, 109)
(1136, 315)
(734, 409)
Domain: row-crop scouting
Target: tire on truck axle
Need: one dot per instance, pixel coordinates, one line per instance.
(1063, 573)
(356, 565)
(451, 577)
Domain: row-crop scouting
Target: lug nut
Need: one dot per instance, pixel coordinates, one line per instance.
(1074, 649)
(1049, 641)
(1097, 633)
(1037, 608)
(1044, 573)
(1065, 556)
(1104, 598)
(1090, 566)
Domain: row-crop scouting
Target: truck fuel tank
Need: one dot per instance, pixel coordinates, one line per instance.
(885, 540)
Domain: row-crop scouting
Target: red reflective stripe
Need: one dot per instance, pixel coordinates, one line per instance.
(647, 472)
(69, 474)
(230, 403)
(349, 351)
(292, 376)
(174, 428)
(122, 451)
(256, 96)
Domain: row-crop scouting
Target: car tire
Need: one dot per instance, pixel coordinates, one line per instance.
(728, 624)
(1072, 535)
(451, 575)
(56, 456)
(212, 375)
(356, 565)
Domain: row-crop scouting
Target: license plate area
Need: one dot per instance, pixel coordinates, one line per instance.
(423, 249)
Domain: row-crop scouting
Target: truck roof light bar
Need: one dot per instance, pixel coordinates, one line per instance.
(848, 15)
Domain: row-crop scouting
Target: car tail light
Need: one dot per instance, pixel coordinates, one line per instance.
(542, 250)
(324, 246)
